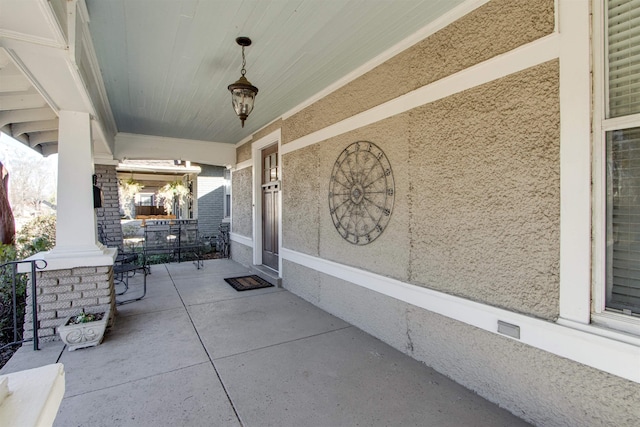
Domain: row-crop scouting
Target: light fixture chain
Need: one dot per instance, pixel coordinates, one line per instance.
(244, 63)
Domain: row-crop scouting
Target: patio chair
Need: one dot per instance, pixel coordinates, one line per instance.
(125, 267)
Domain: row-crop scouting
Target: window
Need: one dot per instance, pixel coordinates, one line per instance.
(617, 178)
(623, 220)
(145, 199)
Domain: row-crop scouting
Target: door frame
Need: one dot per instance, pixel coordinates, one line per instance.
(256, 154)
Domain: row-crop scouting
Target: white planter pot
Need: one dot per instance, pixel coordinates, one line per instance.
(83, 335)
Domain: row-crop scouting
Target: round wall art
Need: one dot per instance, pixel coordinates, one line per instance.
(361, 193)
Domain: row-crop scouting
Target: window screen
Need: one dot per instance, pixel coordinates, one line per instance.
(623, 223)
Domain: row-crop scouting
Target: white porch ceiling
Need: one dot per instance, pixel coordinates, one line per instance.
(166, 64)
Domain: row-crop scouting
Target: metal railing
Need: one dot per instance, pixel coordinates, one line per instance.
(9, 271)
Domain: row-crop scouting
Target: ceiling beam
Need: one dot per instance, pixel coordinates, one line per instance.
(27, 115)
(19, 102)
(38, 138)
(39, 126)
(49, 149)
(14, 83)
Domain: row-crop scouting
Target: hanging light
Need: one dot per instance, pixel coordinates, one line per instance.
(243, 93)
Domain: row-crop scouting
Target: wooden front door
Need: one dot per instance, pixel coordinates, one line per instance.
(270, 202)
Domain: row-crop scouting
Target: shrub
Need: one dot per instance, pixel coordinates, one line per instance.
(36, 236)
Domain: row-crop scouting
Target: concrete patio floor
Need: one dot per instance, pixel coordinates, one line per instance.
(194, 352)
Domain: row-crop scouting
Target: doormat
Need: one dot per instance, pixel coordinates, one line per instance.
(246, 283)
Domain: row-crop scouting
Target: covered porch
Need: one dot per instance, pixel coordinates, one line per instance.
(195, 352)
(433, 172)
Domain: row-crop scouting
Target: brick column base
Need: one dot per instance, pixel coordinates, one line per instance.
(63, 293)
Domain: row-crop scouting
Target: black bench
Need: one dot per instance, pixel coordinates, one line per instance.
(173, 237)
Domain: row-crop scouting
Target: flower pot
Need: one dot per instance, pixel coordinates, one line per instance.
(83, 335)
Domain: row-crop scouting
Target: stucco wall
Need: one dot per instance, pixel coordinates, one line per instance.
(307, 224)
(485, 204)
(388, 254)
(241, 254)
(241, 204)
(537, 386)
(243, 152)
(302, 200)
(476, 210)
(494, 28)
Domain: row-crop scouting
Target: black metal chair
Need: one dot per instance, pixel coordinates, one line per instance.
(125, 267)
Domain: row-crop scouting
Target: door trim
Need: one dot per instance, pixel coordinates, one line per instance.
(274, 137)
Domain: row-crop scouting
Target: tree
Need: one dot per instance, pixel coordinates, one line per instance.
(30, 184)
(7, 224)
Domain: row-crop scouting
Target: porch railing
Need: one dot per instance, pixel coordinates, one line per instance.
(9, 276)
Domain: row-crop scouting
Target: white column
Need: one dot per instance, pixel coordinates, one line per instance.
(76, 240)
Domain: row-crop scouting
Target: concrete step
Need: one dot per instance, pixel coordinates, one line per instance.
(267, 274)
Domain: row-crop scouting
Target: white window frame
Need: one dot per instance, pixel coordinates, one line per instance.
(601, 125)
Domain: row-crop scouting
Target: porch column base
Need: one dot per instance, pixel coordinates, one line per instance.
(71, 282)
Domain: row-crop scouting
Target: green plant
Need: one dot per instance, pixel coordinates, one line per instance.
(130, 230)
(170, 192)
(38, 235)
(128, 190)
(85, 318)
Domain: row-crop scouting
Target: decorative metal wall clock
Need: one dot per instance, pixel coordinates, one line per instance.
(361, 193)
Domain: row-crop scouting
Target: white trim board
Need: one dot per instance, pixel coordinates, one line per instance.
(612, 352)
(243, 240)
(245, 164)
(527, 56)
(575, 161)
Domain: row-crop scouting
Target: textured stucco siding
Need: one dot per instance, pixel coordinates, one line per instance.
(242, 201)
(243, 152)
(266, 130)
(307, 224)
(301, 200)
(241, 253)
(542, 388)
(388, 254)
(494, 28)
(485, 199)
(477, 203)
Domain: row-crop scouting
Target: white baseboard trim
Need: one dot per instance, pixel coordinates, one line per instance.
(613, 352)
(243, 240)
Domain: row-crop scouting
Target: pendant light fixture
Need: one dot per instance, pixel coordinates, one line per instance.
(243, 93)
